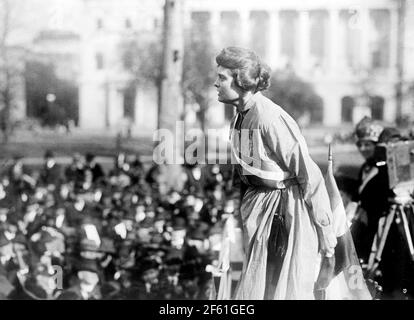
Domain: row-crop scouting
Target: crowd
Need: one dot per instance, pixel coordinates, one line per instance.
(79, 232)
(82, 232)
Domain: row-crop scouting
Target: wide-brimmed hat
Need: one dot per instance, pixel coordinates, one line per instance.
(87, 265)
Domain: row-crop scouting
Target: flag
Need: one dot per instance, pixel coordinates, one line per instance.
(340, 276)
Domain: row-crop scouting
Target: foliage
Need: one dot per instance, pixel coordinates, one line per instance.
(198, 69)
(41, 80)
(142, 58)
(296, 96)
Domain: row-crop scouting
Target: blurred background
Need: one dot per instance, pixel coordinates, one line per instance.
(84, 84)
(92, 69)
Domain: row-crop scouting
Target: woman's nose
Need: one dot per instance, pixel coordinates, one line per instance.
(216, 84)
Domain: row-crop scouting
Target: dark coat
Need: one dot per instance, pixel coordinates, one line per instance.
(51, 175)
(74, 293)
(373, 194)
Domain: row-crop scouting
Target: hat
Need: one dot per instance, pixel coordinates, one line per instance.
(87, 265)
(367, 129)
(49, 154)
(389, 133)
(89, 157)
(17, 156)
(149, 264)
(179, 223)
(174, 256)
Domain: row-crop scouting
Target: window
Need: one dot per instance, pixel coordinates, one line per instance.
(318, 20)
(288, 34)
(129, 102)
(377, 107)
(259, 21)
(380, 39)
(352, 37)
(128, 60)
(348, 104)
(316, 113)
(99, 61)
(230, 29)
(200, 27)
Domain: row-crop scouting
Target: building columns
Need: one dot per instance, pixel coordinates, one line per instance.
(393, 40)
(333, 53)
(273, 52)
(365, 43)
(244, 27)
(304, 41)
(215, 17)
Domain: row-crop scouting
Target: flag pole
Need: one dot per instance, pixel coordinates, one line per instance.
(330, 153)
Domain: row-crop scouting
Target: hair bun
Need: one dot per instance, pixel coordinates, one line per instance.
(264, 77)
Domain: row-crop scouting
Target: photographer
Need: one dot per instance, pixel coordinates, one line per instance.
(397, 267)
(372, 188)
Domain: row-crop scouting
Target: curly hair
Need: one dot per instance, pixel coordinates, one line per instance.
(249, 73)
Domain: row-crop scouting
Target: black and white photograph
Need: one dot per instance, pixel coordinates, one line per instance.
(206, 150)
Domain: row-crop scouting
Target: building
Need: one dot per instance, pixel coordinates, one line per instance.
(348, 50)
(108, 97)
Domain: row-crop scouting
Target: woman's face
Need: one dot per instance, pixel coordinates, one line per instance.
(366, 148)
(226, 89)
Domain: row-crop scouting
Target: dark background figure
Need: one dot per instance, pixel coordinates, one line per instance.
(95, 169)
(397, 267)
(51, 173)
(373, 190)
(75, 172)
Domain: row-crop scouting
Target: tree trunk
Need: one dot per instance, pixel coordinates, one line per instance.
(400, 60)
(171, 99)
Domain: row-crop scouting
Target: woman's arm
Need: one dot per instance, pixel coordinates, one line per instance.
(282, 137)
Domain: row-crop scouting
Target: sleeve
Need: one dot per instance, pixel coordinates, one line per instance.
(284, 141)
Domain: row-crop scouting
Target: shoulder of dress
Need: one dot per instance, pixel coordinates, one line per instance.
(268, 112)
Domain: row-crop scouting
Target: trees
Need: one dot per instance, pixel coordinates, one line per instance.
(198, 67)
(142, 58)
(8, 70)
(295, 95)
(14, 35)
(51, 100)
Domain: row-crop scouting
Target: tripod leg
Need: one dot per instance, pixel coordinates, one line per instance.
(376, 257)
(406, 232)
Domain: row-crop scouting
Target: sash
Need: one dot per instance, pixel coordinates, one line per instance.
(276, 173)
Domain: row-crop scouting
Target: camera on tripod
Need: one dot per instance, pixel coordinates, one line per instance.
(399, 159)
(398, 156)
